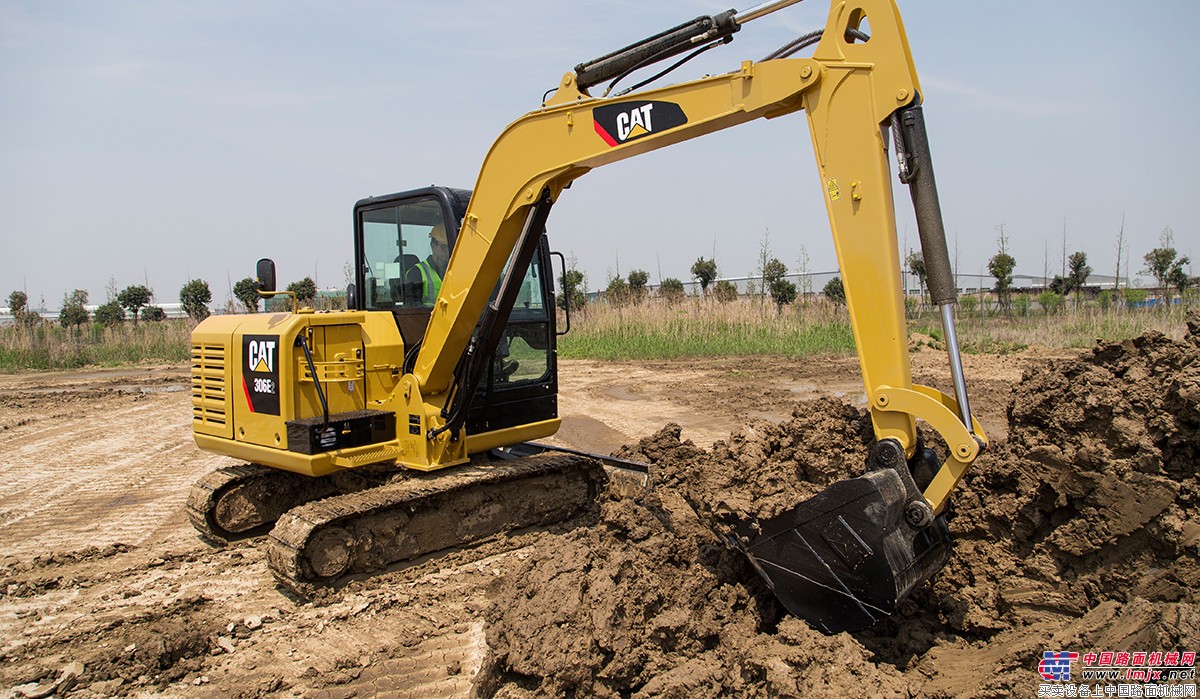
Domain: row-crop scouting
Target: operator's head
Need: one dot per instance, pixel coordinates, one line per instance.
(440, 246)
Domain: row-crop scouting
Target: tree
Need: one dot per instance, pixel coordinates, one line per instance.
(1001, 268)
(1164, 264)
(764, 258)
(834, 291)
(916, 267)
(109, 314)
(802, 264)
(704, 271)
(74, 309)
(638, 279)
(153, 314)
(725, 291)
(17, 302)
(194, 297)
(305, 290)
(671, 289)
(1180, 281)
(1078, 273)
(1121, 245)
(133, 298)
(782, 291)
(574, 287)
(773, 271)
(246, 292)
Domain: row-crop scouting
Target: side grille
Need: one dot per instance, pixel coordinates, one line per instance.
(208, 385)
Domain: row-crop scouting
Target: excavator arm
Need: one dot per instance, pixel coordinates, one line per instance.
(850, 90)
(845, 557)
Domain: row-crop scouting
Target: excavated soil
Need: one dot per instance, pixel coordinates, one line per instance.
(1078, 531)
(1081, 531)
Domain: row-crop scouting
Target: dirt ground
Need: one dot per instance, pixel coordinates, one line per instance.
(1078, 530)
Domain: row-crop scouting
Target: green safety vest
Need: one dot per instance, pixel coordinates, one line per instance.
(431, 282)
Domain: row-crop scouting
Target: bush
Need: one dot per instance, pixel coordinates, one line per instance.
(672, 290)
(305, 290)
(617, 292)
(110, 314)
(969, 303)
(1050, 302)
(1134, 297)
(153, 314)
(725, 291)
(1022, 303)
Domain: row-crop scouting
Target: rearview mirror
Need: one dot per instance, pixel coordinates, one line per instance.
(351, 297)
(265, 271)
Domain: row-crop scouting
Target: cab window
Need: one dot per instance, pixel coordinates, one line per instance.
(396, 241)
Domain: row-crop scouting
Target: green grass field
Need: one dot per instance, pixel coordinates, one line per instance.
(652, 330)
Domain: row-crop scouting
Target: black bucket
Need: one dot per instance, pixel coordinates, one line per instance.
(844, 558)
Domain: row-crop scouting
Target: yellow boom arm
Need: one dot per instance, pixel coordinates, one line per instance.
(850, 91)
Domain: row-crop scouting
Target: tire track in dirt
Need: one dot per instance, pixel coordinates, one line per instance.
(113, 477)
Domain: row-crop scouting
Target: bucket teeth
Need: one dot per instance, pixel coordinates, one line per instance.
(845, 557)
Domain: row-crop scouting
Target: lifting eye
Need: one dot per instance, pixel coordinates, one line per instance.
(858, 28)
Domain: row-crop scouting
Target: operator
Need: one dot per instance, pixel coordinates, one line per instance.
(432, 268)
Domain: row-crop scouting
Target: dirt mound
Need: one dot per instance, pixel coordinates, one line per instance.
(1080, 531)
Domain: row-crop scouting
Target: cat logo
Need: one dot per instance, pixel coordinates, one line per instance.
(260, 355)
(260, 373)
(629, 121)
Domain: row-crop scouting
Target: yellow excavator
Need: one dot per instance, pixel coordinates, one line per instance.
(403, 425)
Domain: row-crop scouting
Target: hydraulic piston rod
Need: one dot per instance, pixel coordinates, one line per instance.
(916, 167)
(671, 42)
(763, 10)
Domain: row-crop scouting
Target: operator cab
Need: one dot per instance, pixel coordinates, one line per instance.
(398, 269)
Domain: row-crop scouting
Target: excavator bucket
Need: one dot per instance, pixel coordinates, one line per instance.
(844, 558)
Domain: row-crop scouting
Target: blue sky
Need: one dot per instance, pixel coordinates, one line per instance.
(161, 141)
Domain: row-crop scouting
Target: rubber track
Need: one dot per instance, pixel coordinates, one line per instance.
(202, 499)
(284, 490)
(431, 512)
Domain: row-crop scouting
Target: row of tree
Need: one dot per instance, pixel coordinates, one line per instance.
(1163, 263)
(136, 301)
(633, 289)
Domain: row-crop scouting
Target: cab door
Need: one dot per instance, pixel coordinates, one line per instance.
(520, 385)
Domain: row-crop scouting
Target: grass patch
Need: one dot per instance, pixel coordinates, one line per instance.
(696, 328)
(45, 346)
